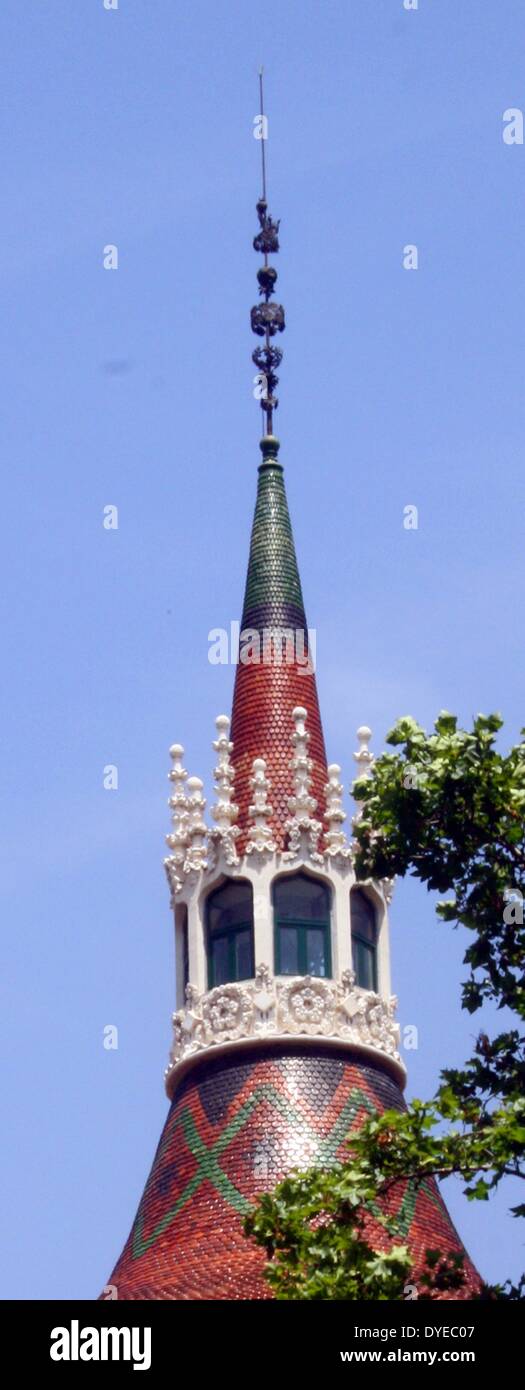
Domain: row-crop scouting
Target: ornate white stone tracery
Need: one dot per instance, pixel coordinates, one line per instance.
(268, 1008)
(224, 811)
(336, 843)
(178, 802)
(364, 759)
(261, 836)
(302, 829)
(202, 858)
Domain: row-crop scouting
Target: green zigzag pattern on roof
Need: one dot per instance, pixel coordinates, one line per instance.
(209, 1168)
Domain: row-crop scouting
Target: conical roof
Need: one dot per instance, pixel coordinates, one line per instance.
(237, 1124)
(277, 672)
(243, 1116)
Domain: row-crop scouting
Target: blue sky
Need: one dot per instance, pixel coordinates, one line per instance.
(133, 388)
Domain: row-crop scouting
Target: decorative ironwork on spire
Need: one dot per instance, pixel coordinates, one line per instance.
(267, 318)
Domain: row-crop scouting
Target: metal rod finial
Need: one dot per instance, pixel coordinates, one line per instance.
(267, 318)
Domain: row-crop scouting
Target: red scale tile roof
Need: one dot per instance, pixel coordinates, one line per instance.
(236, 1127)
(266, 692)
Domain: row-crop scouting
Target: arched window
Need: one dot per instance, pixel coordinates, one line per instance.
(182, 952)
(302, 927)
(364, 939)
(229, 926)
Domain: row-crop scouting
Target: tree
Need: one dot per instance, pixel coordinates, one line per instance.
(448, 808)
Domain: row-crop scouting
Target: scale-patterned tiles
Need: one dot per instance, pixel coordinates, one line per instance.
(266, 693)
(236, 1128)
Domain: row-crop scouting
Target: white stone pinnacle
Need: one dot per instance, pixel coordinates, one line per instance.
(197, 829)
(364, 759)
(224, 811)
(301, 804)
(261, 838)
(178, 803)
(335, 838)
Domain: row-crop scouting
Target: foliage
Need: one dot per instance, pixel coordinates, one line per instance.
(447, 808)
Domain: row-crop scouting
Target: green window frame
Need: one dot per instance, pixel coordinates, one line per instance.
(229, 933)
(364, 940)
(302, 927)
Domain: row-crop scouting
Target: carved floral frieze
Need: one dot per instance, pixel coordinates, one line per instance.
(300, 1006)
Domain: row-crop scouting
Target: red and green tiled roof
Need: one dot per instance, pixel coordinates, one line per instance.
(236, 1126)
(241, 1121)
(266, 693)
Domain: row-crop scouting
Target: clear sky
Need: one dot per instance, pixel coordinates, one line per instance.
(133, 388)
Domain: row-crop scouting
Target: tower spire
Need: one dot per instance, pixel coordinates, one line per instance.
(284, 1035)
(267, 318)
(279, 675)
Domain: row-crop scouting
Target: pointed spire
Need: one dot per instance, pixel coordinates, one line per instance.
(276, 672)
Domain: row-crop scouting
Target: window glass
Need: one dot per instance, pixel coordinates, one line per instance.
(243, 954)
(364, 964)
(315, 951)
(289, 951)
(301, 898)
(229, 917)
(363, 916)
(230, 906)
(302, 926)
(219, 956)
(364, 939)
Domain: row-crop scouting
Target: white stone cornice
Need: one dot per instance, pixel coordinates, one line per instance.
(335, 870)
(268, 1008)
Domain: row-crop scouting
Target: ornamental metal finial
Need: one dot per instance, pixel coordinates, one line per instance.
(267, 318)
